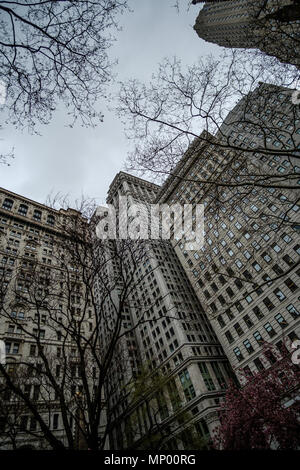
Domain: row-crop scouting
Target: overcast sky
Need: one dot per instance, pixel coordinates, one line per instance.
(84, 161)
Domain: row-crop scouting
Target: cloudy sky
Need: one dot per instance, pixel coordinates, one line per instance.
(82, 161)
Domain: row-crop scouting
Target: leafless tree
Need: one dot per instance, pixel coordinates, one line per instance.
(67, 313)
(273, 30)
(56, 51)
(63, 322)
(185, 119)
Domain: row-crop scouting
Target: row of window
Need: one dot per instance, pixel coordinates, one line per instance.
(23, 209)
(258, 337)
(278, 317)
(258, 362)
(30, 423)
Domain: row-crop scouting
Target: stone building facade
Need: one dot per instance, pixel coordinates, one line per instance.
(172, 335)
(270, 26)
(246, 275)
(41, 297)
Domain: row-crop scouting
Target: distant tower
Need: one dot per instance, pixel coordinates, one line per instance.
(270, 26)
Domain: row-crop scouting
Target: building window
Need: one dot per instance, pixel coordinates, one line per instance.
(297, 249)
(239, 306)
(23, 209)
(36, 392)
(256, 266)
(187, 385)
(239, 263)
(293, 336)
(230, 292)
(293, 311)
(288, 260)
(18, 314)
(282, 322)
(258, 337)
(258, 313)
(230, 271)
(12, 348)
(238, 354)
(238, 329)
(266, 257)
(247, 275)
(221, 321)
(7, 204)
(248, 346)
(277, 269)
(258, 364)
(39, 333)
(286, 238)
(270, 356)
(207, 294)
(37, 215)
(247, 254)
(248, 321)
(291, 285)
(219, 375)
(270, 330)
(50, 219)
(279, 294)
(268, 303)
(229, 337)
(206, 376)
(276, 248)
(256, 245)
(55, 421)
(229, 314)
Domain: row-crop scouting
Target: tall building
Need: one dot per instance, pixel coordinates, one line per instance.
(43, 301)
(183, 319)
(246, 275)
(169, 331)
(269, 26)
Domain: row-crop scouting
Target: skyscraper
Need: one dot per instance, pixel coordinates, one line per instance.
(247, 273)
(270, 26)
(167, 330)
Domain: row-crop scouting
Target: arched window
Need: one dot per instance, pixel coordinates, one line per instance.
(37, 215)
(50, 219)
(7, 204)
(23, 209)
(18, 312)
